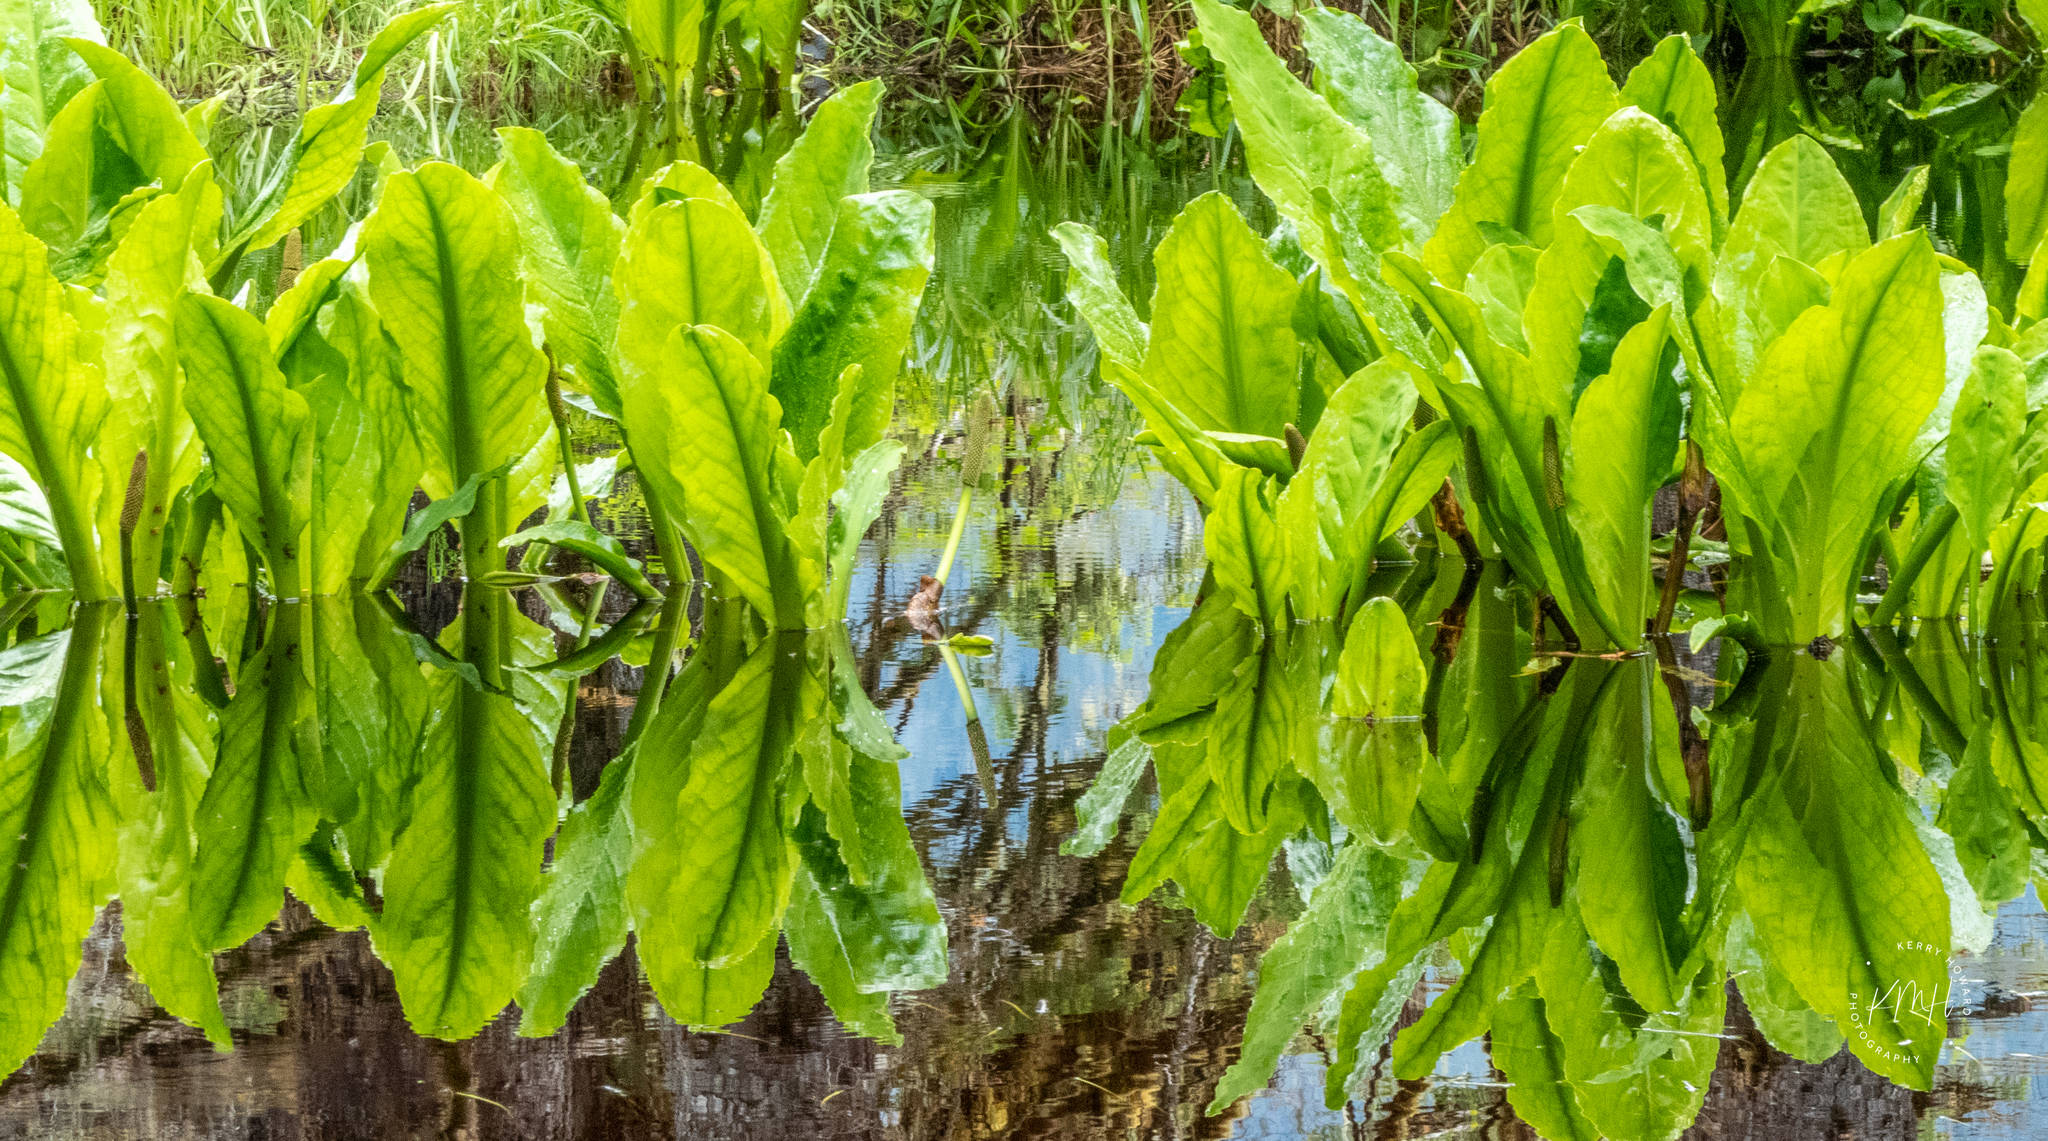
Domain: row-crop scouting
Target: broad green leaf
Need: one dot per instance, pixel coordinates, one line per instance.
(1796, 206)
(1506, 403)
(1541, 106)
(693, 261)
(125, 134)
(39, 74)
(827, 164)
(366, 462)
(53, 401)
(1380, 673)
(1635, 164)
(858, 504)
(1676, 88)
(858, 311)
(255, 812)
(443, 264)
(146, 274)
(1413, 477)
(1624, 438)
(1262, 722)
(1328, 507)
(1415, 139)
(580, 921)
(569, 241)
(1502, 281)
(1317, 167)
(256, 429)
(1989, 415)
(1246, 548)
(711, 390)
(324, 156)
(1828, 422)
(57, 858)
(1121, 338)
(1222, 348)
(24, 513)
(429, 519)
(1092, 286)
(2026, 186)
(465, 872)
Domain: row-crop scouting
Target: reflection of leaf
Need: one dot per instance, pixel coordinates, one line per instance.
(1101, 808)
(580, 921)
(159, 828)
(1379, 674)
(1835, 880)
(55, 856)
(1314, 961)
(1532, 1060)
(885, 934)
(255, 812)
(1219, 869)
(1370, 774)
(466, 870)
(1629, 860)
(712, 864)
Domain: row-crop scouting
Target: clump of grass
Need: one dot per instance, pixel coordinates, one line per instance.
(289, 52)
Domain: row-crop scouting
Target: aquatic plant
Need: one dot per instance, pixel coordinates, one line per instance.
(1587, 301)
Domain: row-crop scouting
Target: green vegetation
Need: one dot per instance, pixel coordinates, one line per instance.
(250, 381)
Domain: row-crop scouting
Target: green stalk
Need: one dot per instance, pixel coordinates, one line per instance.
(1933, 530)
(654, 680)
(982, 419)
(953, 540)
(17, 563)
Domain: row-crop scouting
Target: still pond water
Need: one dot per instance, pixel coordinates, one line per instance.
(1063, 1012)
